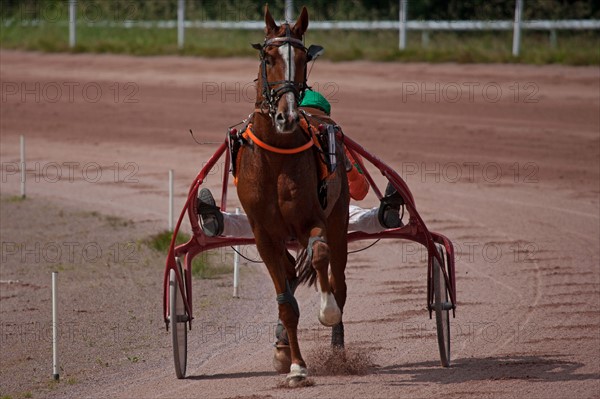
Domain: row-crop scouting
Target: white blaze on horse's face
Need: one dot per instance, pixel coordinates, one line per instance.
(286, 117)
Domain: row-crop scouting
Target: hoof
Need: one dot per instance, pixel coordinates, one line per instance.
(295, 382)
(297, 376)
(282, 359)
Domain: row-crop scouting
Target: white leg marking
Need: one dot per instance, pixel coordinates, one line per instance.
(330, 314)
(297, 372)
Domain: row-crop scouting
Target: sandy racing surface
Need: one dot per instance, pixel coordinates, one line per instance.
(503, 159)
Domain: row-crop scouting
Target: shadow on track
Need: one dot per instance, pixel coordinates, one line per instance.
(530, 368)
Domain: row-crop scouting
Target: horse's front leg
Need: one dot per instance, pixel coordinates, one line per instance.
(329, 313)
(274, 255)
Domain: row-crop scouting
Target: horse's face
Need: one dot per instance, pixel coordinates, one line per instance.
(282, 76)
(285, 65)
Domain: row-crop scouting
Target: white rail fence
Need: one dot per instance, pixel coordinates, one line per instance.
(566, 24)
(402, 25)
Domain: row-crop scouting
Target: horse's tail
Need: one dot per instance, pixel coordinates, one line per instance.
(306, 272)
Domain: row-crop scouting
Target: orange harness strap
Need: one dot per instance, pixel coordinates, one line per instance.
(287, 151)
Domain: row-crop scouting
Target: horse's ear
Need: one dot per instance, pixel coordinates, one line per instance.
(270, 24)
(301, 23)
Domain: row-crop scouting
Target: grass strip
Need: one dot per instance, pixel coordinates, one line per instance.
(572, 48)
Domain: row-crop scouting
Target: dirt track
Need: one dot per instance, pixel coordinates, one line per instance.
(503, 159)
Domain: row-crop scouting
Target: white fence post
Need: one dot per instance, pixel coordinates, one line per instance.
(180, 23)
(402, 17)
(289, 10)
(236, 266)
(553, 39)
(23, 166)
(425, 38)
(171, 189)
(72, 22)
(516, 49)
(55, 369)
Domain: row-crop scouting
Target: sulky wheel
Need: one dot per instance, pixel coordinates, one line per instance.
(178, 321)
(442, 307)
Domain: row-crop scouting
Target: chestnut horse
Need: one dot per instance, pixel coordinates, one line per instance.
(278, 183)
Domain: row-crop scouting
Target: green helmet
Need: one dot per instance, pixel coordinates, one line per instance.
(314, 99)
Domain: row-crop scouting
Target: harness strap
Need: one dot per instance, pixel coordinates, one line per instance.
(288, 39)
(249, 134)
(287, 151)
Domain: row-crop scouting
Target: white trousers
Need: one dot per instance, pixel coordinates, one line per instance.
(236, 225)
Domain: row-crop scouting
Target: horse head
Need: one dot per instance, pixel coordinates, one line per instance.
(282, 73)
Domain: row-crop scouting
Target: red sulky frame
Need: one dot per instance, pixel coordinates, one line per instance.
(415, 230)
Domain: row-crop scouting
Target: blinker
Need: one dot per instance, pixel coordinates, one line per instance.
(314, 51)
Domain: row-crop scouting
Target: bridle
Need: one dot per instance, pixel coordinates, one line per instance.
(273, 91)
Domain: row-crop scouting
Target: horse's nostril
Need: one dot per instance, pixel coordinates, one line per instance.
(279, 118)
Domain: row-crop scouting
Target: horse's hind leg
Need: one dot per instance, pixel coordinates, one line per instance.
(330, 313)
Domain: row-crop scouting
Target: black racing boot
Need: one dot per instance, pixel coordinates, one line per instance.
(389, 210)
(211, 218)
